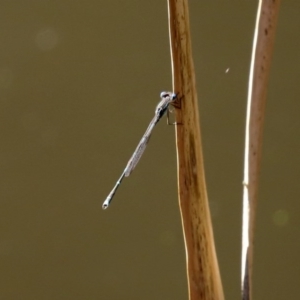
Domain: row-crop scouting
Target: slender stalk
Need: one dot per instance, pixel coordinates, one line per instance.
(257, 90)
(202, 268)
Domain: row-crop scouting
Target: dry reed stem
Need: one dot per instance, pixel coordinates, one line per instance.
(204, 281)
(257, 90)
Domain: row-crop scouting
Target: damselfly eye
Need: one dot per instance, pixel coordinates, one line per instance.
(164, 94)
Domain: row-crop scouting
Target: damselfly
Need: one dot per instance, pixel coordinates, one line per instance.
(167, 98)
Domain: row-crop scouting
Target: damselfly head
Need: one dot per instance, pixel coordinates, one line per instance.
(170, 95)
(165, 94)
